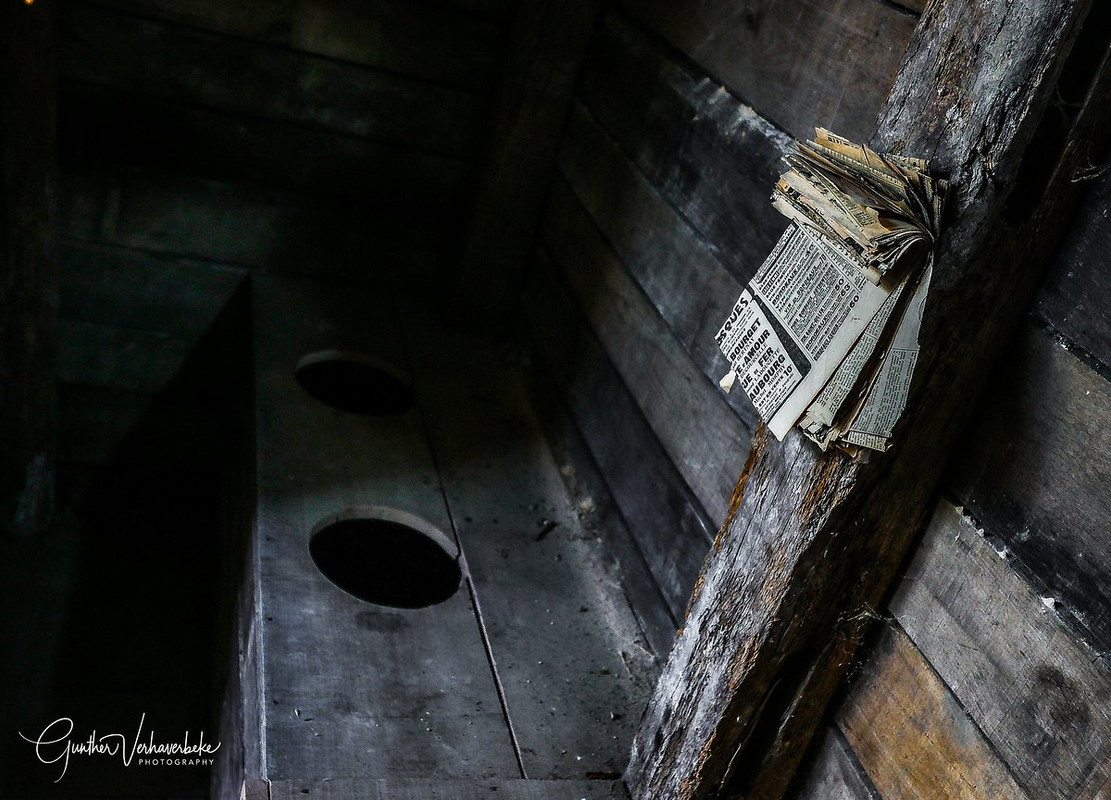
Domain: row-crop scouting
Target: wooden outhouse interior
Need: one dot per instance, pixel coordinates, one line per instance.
(531, 219)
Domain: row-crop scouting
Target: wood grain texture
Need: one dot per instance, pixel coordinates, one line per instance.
(1036, 472)
(100, 124)
(546, 46)
(568, 227)
(711, 157)
(801, 63)
(574, 666)
(347, 688)
(430, 789)
(689, 414)
(1073, 296)
(128, 319)
(255, 789)
(121, 358)
(815, 537)
(251, 227)
(600, 511)
(28, 277)
(669, 524)
(912, 736)
(142, 291)
(676, 268)
(440, 44)
(1039, 696)
(831, 771)
(186, 65)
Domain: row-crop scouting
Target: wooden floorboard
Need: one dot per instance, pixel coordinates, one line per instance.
(601, 512)
(670, 526)
(575, 668)
(345, 789)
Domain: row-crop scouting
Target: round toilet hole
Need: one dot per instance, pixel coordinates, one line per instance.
(355, 383)
(381, 559)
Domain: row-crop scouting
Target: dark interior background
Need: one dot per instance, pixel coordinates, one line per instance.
(345, 141)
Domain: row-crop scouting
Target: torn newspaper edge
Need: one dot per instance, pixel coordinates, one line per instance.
(825, 336)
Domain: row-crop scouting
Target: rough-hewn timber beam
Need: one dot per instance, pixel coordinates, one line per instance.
(1010, 100)
(28, 285)
(545, 49)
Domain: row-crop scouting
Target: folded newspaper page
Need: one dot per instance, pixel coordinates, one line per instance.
(825, 336)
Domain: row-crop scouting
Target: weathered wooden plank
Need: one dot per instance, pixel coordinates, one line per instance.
(28, 279)
(443, 45)
(143, 291)
(910, 733)
(1073, 297)
(568, 228)
(677, 269)
(545, 48)
(429, 789)
(817, 536)
(1040, 697)
(101, 124)
(192, 217)
(100, 423)
(347, 688)
(574, 666)
(802, 63)
(95, 421)
(832, 772)
(600, 511)
(171, 62)
(707, 153)
(1036, 473)
(669, 524)
(688, 412)
(112, 357)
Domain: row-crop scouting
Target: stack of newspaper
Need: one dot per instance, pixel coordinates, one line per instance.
(826, 334)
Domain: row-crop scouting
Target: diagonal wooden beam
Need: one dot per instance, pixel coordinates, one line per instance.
(1009, 100)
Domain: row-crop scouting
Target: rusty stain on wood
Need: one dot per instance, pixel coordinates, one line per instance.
(912, 736)
(760, 439)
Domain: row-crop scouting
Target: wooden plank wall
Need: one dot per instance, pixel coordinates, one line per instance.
(656, 217)
(28, 279)
(331, 139)
(1002, 619)
(989, 677)
(201, 141)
